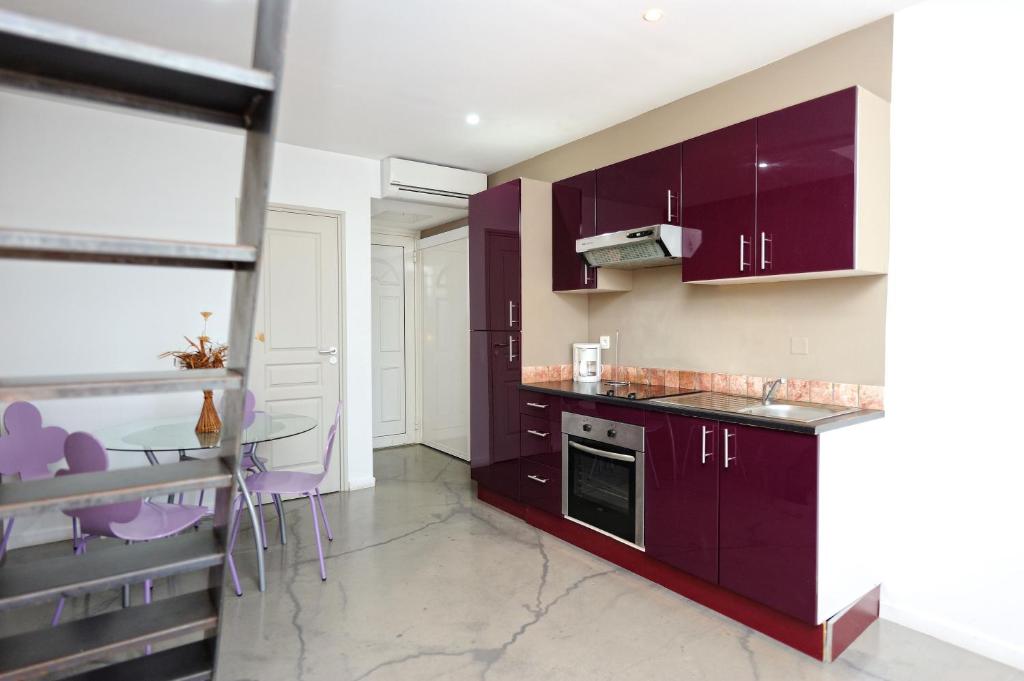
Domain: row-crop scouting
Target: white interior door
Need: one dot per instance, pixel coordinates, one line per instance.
(293, 368)
(391, 322)
(444, 344)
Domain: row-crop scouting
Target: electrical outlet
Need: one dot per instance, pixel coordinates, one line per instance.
(798, 345)
(606, 342)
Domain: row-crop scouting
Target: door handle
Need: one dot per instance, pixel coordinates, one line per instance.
(669, 220)
(727, 458)
(535, 404)
(704, 453)
(765, 239)
(615, 456)
(541, 480)
(511, 355)
(537, 433)
(511, 319)
(329, 351)
(743, 244)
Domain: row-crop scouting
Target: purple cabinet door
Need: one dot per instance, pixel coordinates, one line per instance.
(805, 186)
(768, 508)
(681, 471)
(640, 191)
(495, 373)
(572, 218)
(494, 269)
(719, 183)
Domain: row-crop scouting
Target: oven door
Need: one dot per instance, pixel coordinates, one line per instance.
(601, 486)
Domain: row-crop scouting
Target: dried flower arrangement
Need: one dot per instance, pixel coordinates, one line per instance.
(202, 355)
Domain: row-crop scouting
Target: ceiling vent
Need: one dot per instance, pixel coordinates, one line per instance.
(428, 183)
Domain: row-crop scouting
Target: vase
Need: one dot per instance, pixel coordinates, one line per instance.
(209, 422)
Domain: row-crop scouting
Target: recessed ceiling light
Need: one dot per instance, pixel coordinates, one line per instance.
(472, 118)
(653, 14)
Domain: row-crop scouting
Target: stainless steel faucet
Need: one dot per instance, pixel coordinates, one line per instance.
(769, 388)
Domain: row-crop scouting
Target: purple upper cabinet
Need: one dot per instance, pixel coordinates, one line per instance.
(719, 184)
(768, 508)
(805, 186)
(681, 493)
(494, 268)
(640, 191)
(572, 218)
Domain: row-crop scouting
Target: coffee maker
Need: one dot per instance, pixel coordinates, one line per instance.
(586, 362)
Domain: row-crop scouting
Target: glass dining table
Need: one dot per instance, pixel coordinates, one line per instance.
(177, 434)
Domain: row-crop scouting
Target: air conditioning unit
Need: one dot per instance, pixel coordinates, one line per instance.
(428, 183)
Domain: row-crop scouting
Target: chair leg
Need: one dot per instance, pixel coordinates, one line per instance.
(280, 518)
(263, 522)
(147, 598)
(323, 514)
(79, 550)
(7, 535)
(316, 533)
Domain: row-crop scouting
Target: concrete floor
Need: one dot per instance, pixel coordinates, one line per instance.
(425, 582)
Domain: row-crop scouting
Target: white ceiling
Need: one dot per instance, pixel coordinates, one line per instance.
(380, 78)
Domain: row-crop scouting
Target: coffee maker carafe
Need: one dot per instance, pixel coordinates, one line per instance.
(586, 362)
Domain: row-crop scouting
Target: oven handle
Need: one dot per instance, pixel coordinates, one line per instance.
(600, 452)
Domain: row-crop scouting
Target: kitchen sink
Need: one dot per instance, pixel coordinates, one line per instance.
(794, 412)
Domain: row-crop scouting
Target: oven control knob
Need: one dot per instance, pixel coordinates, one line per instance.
(611, 432)
(586, 427)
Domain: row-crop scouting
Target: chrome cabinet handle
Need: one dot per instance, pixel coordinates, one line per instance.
(743, 244)
(538, 406)
(537, 433)
(765, 239)
(669, 206)
(704, 453)
(542, 481)
(511, 355)
(602, 453)
(329, 351)
(511, 319)
(727, 458)
(586, 274)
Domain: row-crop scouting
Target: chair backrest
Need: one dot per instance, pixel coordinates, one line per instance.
(85, 454)
(332, 435)
(28, 448)
(248, 409)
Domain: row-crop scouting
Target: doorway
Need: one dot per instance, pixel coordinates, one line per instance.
(392, 291)
(296, 355)
(443, 301)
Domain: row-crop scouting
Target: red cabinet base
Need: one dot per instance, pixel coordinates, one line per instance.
(825, 641)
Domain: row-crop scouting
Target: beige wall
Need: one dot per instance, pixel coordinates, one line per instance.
(552, 322)
(745, 328)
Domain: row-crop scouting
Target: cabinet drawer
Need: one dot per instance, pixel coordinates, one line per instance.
(541, 487)
(612, 412)
(540, 404)
(540, 441)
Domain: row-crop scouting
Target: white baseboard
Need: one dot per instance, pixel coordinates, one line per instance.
(361, 483)
(976, 642)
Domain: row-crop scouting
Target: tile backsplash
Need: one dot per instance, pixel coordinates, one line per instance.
(822, 392)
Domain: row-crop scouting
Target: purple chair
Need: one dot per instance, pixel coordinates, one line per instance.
(292, 482)
(131, 521)
(26, 451)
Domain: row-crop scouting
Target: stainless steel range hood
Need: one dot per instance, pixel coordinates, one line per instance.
(652, 246)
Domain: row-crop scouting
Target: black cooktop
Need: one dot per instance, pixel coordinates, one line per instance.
(629, 391)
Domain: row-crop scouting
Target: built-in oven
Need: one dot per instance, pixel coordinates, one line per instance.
(603, 476)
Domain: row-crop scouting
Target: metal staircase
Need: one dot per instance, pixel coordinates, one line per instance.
(60, 60)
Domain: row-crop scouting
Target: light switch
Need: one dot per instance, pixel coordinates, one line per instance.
(606, 342)
(798, 345)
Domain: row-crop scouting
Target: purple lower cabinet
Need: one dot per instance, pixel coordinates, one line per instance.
(495, 374)
(681, 493)
(541, 486)
(768, 510)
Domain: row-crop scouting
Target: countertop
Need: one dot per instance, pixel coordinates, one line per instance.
(593, 391)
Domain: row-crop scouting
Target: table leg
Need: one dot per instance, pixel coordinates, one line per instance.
(276, 497)
(156, 462)
(257, 535)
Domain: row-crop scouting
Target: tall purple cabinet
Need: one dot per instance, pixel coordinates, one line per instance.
(495, 314)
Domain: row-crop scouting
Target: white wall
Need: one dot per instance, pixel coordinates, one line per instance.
(954, 541)
(70, 167)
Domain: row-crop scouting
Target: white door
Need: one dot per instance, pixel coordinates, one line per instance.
(293, 368)
(444, 346)
(390, 322)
